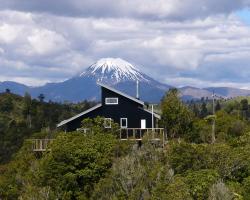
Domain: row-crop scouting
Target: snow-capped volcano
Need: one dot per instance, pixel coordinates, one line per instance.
(115, 70)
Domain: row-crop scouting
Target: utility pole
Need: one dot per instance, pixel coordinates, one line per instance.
(213, 125)
(152, 116)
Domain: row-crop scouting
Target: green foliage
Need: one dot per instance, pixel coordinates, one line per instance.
(201, 132)
(185, 156)
(134, 176)
(6, 104)
(96, 125)
(246, 188)
(229, 125)
(217, 106)
(176, 189)
(200, 181)
(20, 117)
(93, 164)
(204, 111)
(16, 175)
(76, 162)
(176, 117)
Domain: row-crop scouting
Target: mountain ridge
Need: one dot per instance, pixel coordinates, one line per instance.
(119, 74)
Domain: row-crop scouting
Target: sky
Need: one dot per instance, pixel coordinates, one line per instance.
(198, 43)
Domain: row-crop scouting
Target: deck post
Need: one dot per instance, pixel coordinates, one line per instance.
(163, 139)
(40, 144)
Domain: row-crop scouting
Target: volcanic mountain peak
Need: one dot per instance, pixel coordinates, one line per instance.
(115, 69)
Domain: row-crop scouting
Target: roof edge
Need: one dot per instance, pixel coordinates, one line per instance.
(78, 115)
(155, 114)
(121, 93)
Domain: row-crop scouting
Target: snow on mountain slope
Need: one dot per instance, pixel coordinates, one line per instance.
(114, 70)
(116, 73)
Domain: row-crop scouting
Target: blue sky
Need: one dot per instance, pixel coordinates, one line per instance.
(206, 44)
(244, 15)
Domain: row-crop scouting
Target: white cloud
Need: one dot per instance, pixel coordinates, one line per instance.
(46, 42)
(8, 33)
(50, 47)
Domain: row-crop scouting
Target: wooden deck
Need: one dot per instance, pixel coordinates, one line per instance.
(136, 134)
(41, 145)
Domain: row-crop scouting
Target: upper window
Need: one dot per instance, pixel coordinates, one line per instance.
(107, 123)
(111, 101)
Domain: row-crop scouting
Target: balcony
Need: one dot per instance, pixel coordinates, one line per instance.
(154, 134)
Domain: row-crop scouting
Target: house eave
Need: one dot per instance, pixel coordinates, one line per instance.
(62, 123)
(155, 114)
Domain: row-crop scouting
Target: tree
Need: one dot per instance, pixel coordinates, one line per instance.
(6, 104)
(217, 106)
(176, 117)
(76, 162)
(203, 112)
(41, 97)
(195, 109)
(200, 182)
(27, 108)
(135, 176)
(244, 108)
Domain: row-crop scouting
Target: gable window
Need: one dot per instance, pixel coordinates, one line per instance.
(111, 101)
(107, 123)
(124, 122)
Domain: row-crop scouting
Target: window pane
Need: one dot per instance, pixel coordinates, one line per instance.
(124, 122)
(111, 100)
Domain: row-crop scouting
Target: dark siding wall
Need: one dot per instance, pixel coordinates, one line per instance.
(73, 125)
(123, 101)
(126, 108)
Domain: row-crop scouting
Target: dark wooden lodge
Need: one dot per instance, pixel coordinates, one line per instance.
(123, 109)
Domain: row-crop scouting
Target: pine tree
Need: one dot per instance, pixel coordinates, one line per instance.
(27, 108)
(217, 106)
(203, 112)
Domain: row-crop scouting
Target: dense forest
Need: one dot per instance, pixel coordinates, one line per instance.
(22, 117)
(194, 163)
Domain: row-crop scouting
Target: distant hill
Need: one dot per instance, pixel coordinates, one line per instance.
(229, 92)
(189, 93)
(121, 75)
(16, 88)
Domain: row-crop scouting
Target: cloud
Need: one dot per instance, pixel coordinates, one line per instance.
(149, 9)
(49, 41)
(8, 33)
(46, 42)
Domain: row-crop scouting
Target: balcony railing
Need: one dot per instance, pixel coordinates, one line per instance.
(139, 134)
(136, 134)
(40, 145)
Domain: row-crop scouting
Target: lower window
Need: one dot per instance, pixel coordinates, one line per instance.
(107, 123)
(124, 122)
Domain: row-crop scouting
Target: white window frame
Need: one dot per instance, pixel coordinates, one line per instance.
(107, 122)
(126, 122)
(113, 98)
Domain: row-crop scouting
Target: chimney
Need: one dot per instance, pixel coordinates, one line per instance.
(137, 89)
